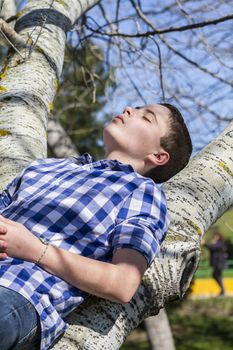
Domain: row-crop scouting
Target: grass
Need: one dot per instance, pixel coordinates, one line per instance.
(142, 345)
(202, 333)
(196, 325)
(202, 324)
(207, 272)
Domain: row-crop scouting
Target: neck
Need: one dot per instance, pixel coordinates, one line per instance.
(137, 165)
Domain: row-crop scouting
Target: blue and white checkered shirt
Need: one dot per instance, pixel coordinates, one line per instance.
(87, 207)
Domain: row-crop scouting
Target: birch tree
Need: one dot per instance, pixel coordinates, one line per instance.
(159, 332)
(29, 79)
(196, 197)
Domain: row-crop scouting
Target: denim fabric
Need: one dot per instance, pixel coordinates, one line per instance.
(19, 322)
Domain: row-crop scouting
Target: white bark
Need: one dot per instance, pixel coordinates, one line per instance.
(159, 332)
(58, 140)
(8, 9)
(196, 198)
(28, 86)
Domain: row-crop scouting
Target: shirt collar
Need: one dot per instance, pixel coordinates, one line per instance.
(114, 165)
(85, 158)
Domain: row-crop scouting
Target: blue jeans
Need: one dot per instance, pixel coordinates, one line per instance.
(19, 322)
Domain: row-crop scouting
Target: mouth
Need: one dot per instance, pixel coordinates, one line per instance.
(120, 117)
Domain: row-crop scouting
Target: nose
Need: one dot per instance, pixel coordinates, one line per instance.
(128, 111)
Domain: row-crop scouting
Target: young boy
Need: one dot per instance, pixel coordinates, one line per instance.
(73, 227)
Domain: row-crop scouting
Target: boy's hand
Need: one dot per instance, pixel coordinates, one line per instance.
(18, 242)
(3, 243)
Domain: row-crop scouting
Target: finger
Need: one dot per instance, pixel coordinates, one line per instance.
(3, 246)
(3, 256)
(3, 230)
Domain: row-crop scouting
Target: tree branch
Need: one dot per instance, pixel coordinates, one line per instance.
(167, 30)
(58, 140)
(13, 38)
(195, 64)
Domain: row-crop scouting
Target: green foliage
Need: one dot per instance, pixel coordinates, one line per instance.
(203, 324)
(197, 332)
(142, 345)
(196, 325)
(225, 225)
(81, 96)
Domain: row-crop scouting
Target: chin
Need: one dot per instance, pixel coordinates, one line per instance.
(106, 133)
(111, 140)
(109, 132)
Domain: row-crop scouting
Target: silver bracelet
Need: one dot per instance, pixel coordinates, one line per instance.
(44, 251)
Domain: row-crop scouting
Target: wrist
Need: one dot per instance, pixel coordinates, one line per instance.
(43, 252)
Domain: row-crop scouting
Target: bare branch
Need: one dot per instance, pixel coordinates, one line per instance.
(195, 64)
(13, 38)
(167, 30)
(59, 141)
(160, 68)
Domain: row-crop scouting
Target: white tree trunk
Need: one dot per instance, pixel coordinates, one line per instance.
(196, 198)
(58, 140)
(7, 9)
(159, 332)
(29, 82)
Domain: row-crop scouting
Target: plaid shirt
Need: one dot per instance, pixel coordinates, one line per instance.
(87, 207)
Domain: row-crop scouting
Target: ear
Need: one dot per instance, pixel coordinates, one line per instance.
(157, 159)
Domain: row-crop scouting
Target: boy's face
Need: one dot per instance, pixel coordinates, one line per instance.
(137, 131)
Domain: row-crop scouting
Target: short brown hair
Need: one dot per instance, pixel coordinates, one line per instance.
(177, 143)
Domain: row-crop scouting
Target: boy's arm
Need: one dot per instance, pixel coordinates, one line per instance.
(116, 281)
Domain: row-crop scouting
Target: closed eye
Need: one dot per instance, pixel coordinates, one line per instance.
(147, 118)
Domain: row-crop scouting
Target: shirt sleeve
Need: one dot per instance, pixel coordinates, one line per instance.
(143, 221)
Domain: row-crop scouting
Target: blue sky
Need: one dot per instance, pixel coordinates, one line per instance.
(194, 86)
(186, 86)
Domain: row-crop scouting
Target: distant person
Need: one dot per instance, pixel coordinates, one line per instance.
(217, 249)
